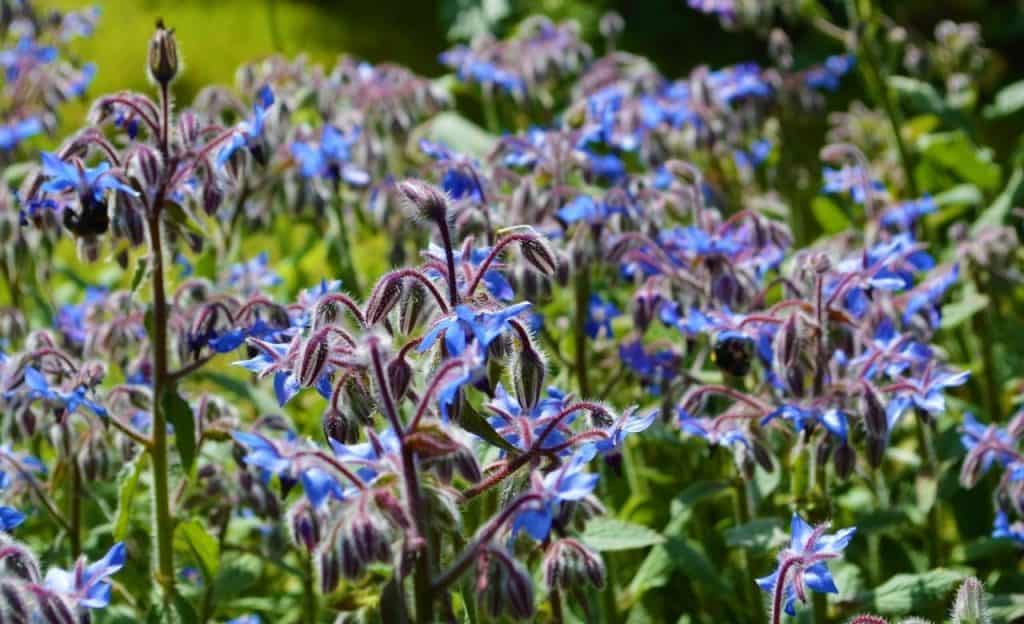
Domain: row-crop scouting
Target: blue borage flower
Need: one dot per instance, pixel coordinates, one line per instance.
(631, 421)
(802, 566)
(466, 325)
(928, 391)
(724, 9)
(86, 585)
(37, 388)
(90, 184)
(750, 159)
(890, 352)
(652, 366)
(331, 158)
(471, 68)
(282, 458)
(10, 518)
(852, 179)
(566, 484)
(904, 215)
(927, 297)
(249, 133)
(826, 77)
(1003, 529)
(805, 418)
(988, 444)
(15, 132)
(20, 466)
(24, 56)
(460, 179)
(728, 432)
(521, 426)
(276, 359)
(587, 209)
(600, 314)
(72, 318)
(253, 275)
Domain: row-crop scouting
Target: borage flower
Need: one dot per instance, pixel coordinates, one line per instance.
(802, 566)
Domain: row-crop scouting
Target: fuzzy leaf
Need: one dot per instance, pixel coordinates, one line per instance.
(1008, 101)
(129, 479)
(609, 534)
(910, 593)
(179, 414)
(203, 545)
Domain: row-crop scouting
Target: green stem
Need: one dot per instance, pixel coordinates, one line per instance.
(820, 608)
(346, 267)
(927, 448)
(742, 512)
(309, 600)
(75, 508)
(490, 106)
(581, 288)
(877, 78)
(161, 499)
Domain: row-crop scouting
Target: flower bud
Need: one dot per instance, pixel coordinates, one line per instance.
(305, 525)
(328, 570)
(568, 564)
(163, 55)
(54, 610)
(415, 307)
(875, 419)
(538, 252)
(339, 427)
(970, 607)
(844, 460)
(529, 374)
(358, 399)
(14, 603)
(429, 201)
(312, 361)
(876, 450)
(383, 299)
(16, 561)
(504, 585)
(399, 373)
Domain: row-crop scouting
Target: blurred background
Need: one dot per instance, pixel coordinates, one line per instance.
(216, 36)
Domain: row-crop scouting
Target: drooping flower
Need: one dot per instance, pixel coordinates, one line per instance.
(566, 484)
(331, 158)
(802, 566)
(600, 314)
(87, 585)
(249, 133)
(466, 325)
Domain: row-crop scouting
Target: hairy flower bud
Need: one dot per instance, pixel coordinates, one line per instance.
(305, 525)
(163, 55)
(415, 307)
(399, 373)
(529, 373)
(876, 450)
(15, 607)
(312, 360)
(328, 569)
(844, 460)
(875, 419)
(970, 607)
(538, 252)
(339, 427)
(568, 564)
(383, 299)
(504, 585)
(428, 200)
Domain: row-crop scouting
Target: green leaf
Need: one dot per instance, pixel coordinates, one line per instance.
(959, 194)
(759, 534)
(956, 152)
(919, 95)
(203, 545)
(691, 561)
(184, 610)
(180, 415)
(610, 534)
(459, 134)
(1006, 607)
(654, 572)
(1011, 196)
(829, 215)
(911, 593)
(970, 303)
(140, 272)
(236, 577)
(126, 494)
(683, 505)
(1008, 101)
(473, 422)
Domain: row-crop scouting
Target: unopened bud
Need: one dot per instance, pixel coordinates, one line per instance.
(875, 419)
(304, 523)
(428, 200)
(163, 54)
(844, 460)
(384, 298)
(876, 450)
(529, 376)
(970, 607)
(538, 252)
(339, 427)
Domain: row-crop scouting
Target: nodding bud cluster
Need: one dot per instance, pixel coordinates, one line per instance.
(569, 564)
(430, 202)
(163, 55)
(503, 584)
(359, 536)
(306, 525)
